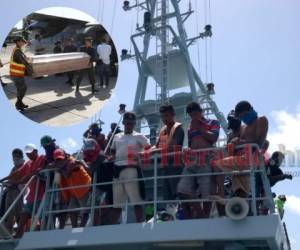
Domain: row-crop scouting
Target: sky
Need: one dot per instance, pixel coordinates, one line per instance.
(255, 56)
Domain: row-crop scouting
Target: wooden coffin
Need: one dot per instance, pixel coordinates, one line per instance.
(51, 64)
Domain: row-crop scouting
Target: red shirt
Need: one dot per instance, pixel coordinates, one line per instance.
(28, 169)
(207, 125)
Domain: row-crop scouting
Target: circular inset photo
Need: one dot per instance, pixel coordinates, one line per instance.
(58, 66)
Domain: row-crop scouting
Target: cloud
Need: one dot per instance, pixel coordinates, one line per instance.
(69, 144)
(293, 204)
(286, 133)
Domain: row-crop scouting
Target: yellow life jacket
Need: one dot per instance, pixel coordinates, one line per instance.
(16, 69)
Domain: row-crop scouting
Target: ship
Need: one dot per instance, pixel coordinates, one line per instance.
(170, 70)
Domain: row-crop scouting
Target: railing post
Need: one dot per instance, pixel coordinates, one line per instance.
(253, 192)
(50, 214)
(155, 188)
(37, 186)
(252, 181)
(93, 199)
(45, 209)
(125, 218)
(267, 187)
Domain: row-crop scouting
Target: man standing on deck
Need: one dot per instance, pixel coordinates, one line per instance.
(49, 145)
(170, 140)
(254, 131)
(19, 66)
(125, 148)
(73, 174)
(202, 134)
(87, 48)
(12, 192)
(104, 173)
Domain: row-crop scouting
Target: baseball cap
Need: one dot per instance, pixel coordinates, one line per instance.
(29, 148)
(19, 38)
(129, 117)
(46, 140)
(17, 151)
(59, 154)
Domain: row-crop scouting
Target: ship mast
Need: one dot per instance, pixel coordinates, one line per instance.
(171, 57)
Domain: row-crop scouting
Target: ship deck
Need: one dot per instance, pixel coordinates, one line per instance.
(255, 232)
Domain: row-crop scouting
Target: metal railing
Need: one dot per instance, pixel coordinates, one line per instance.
(46, 210)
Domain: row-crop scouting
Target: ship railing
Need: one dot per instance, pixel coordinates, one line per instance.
(46, 212)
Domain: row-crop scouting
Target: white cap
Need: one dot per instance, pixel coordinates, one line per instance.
(29, 148)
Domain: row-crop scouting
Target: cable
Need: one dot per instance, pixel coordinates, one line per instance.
(210, 42)
(113, 17)
(198, 43)
(206, 40)
(98, 12)
(131, 33)
(102, 11)
(137, 13)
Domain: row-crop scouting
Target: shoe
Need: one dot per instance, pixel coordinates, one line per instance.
(19, 107)
(77, 88)
(24, 105)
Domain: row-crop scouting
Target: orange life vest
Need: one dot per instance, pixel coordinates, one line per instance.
(165, 138)
(77, 178)
(16, 69)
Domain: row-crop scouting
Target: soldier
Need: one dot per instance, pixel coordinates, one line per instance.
(19, 67)
(87, 48)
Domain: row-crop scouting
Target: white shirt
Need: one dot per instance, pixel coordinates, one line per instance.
(124, 144)
(104, 51)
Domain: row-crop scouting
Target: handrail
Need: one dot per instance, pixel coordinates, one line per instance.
(242, 172)
(155, 178)
(46, 209)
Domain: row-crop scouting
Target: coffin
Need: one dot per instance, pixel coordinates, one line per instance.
(50, 64)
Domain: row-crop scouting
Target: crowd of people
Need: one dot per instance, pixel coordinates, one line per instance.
(100, 61)
(116, 163)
